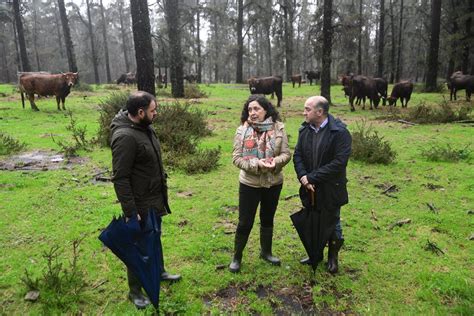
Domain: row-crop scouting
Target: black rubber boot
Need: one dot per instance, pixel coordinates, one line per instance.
(136, 295)
(165, 276)
(333, 252)
(239, 246)
(266, 235)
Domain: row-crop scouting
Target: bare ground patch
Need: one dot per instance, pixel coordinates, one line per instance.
(283, 301)
(39, 160)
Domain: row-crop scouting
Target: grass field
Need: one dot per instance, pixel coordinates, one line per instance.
(382, 271)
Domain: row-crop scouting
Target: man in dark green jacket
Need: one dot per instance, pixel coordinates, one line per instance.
(138, 175)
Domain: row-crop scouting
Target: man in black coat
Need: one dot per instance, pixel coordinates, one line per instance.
(138, 175)
(320, 160)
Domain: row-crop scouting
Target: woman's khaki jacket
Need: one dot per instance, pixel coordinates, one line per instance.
(250, 173)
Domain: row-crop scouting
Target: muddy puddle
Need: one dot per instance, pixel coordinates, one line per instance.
(39, 160)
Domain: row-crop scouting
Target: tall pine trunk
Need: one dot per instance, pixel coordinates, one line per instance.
(35, 36)
(400, 44)
(58, 32)
(106, 46)
(123, 35)
(143, 47)
(432, 64)
(198, 42)
(359, 46)
(71, 57)
(381, 38)
(326, 50)
(240, 42)
(174, 34)
(95, 60)
(25, 64)
(392, 48)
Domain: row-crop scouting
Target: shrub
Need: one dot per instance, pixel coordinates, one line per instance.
(111, 87)
(108, 109)
(192, 91)
(9, 145)
(61, 286)
(203, 160)
(179, 128)
(162, 92)
(446, 153)
(79, 139)
(421, 87)
(369, 147)
(83, 87)
(444, 113)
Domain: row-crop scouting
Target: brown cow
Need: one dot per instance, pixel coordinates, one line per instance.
(458, 81)
(58, 85)
(296, 79)
(402, 91)
(267, 85)
(128, 78)
(363, 87)
(382, 88)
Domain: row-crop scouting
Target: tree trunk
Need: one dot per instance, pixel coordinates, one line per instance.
(4, 60)
(95, 60)
(400, 43)
(269, 50)
(381, 38)
(58, 30)
(25, 64)
(198, 42)
(392, 49)
(468, 40)
(288, 12)
(326, 50)
(71, 57)
(432, 64)
(359, 48)
(143, 47)
(17, 50)
(35, 35)
(174, 34)
(106, 47)
(123, 34)
(240, 42)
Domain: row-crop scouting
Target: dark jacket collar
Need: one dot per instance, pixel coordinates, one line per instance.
(333, 124)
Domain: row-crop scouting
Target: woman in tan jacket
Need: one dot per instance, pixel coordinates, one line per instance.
(260, 152)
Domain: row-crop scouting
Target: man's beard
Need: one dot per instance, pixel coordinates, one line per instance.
(145, 121)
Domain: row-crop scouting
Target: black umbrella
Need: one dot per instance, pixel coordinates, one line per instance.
(137, 244)
(314, 226)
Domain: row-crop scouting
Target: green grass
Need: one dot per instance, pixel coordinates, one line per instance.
(382, 271)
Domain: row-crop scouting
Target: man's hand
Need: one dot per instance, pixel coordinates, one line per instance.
(310, 187)
(128, 218)
(304, 180)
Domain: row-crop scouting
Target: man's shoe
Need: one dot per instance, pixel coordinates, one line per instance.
(139, 300)
(305, 261)
(333, 254)
(234, 266)
(165, 276)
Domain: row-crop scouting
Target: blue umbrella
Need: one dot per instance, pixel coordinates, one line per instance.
(137, 244)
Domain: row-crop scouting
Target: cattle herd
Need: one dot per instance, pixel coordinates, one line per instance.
(357, 88)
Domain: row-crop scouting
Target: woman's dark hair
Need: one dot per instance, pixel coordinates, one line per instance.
(264, 103)
(139, 100)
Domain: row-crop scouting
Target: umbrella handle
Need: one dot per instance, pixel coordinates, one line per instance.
(312, 197)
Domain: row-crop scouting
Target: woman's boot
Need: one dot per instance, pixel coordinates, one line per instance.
(136, 295)
(333, 252)
(266, 235)
(239, 246)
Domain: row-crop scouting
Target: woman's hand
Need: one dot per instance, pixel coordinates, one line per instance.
(266, 163)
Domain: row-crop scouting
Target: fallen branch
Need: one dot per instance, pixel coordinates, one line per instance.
(373, 216)
(431, 246)
(399, 223)
(465, 121)
(406, 122)
(432, 208)
(391, 188)
(289, 197)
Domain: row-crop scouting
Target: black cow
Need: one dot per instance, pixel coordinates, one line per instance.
(128, 78)
(458, 81)
(402, 91)
(382, 87)
(363, 87)
(267, 85)
(296, 79)
(310, 75)
(190, 78)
